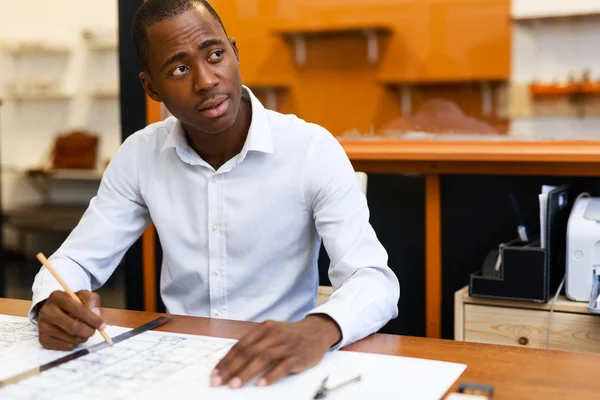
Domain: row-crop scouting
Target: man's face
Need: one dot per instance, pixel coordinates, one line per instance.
(193, 68)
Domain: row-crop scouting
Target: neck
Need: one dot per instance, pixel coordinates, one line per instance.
(217, 149)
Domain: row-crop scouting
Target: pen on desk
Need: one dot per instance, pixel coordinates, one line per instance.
(323, 390)
(521, 228)
(55, 274)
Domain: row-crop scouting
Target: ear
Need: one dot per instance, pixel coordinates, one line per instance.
(235, 49)
(149, 87)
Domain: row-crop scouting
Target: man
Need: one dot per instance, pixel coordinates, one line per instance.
(241, 197)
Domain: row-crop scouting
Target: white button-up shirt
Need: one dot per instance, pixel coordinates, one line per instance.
(241, 242)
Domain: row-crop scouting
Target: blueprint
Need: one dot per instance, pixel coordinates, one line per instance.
(19, 344)
(160, 365)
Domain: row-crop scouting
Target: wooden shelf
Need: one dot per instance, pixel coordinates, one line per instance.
(329, 28)
(527, 10)
(43, 217)
(100, 40)
(298, 33)
(566, 89)
(102, 46)
(401, 80)
(551, 90)
(261, 85)
(104, 94)
(271, 89)
(35, 49)
(39, 96)
(556, 16)
(67, 174)
(406, 85)
(591, 88)
(43, 179)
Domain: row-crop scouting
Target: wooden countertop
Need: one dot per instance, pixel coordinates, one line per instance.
(475, 157)
(450, 150)
(515, 373)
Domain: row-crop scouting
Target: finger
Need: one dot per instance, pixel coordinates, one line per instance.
(264, 360)
(57, 333)
(53, 343)
(238, 358)
(246, 350)
(281, 370)
(53, 314)
(223, 367)
(78, 311)
(269, 350)
(90, 300)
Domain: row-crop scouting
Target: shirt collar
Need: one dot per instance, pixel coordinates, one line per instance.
(260, 137)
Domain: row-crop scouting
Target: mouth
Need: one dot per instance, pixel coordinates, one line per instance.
(214, 108)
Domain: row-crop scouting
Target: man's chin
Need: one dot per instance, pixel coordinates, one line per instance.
(217, 127)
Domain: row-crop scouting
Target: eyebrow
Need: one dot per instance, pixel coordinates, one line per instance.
(181, 55)
(177, 57)
(209, 43)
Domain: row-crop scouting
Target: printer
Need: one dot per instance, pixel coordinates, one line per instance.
(583, 253)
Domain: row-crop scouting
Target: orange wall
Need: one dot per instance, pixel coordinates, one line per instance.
(432, 40)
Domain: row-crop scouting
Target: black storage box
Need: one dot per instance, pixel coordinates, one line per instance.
(527, 271)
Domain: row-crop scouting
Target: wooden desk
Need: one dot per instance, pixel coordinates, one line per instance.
(515, 373)
(436, 157)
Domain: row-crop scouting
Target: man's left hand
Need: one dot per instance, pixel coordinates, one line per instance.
(277, 348)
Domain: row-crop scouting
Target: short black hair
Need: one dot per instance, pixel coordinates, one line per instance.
(154, 11)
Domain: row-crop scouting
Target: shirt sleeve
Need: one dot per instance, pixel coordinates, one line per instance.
(114, 219)
(365, 290)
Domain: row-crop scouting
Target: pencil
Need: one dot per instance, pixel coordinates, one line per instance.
(46, 264)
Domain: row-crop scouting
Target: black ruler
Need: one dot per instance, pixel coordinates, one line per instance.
(89, 350)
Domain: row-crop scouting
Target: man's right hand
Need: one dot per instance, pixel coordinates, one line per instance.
(63, 323)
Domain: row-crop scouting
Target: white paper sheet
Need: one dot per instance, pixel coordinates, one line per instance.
(20, 349)
(543, 198)
(159, 365)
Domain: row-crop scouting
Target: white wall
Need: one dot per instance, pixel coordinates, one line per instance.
(28, 128)
(547, 8)
(551, 50)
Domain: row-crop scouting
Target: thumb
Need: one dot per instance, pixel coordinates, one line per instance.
(90, 300)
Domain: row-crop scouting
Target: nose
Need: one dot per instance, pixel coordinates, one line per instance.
(205, 78)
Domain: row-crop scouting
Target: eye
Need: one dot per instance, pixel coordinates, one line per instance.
(216, 55)
(179, 71)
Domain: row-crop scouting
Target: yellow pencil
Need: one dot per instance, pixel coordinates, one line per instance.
(46, 264)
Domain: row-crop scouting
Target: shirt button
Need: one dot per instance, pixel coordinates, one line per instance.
(217, 313)
(214, 178)
(215, 227)
(216, 272)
